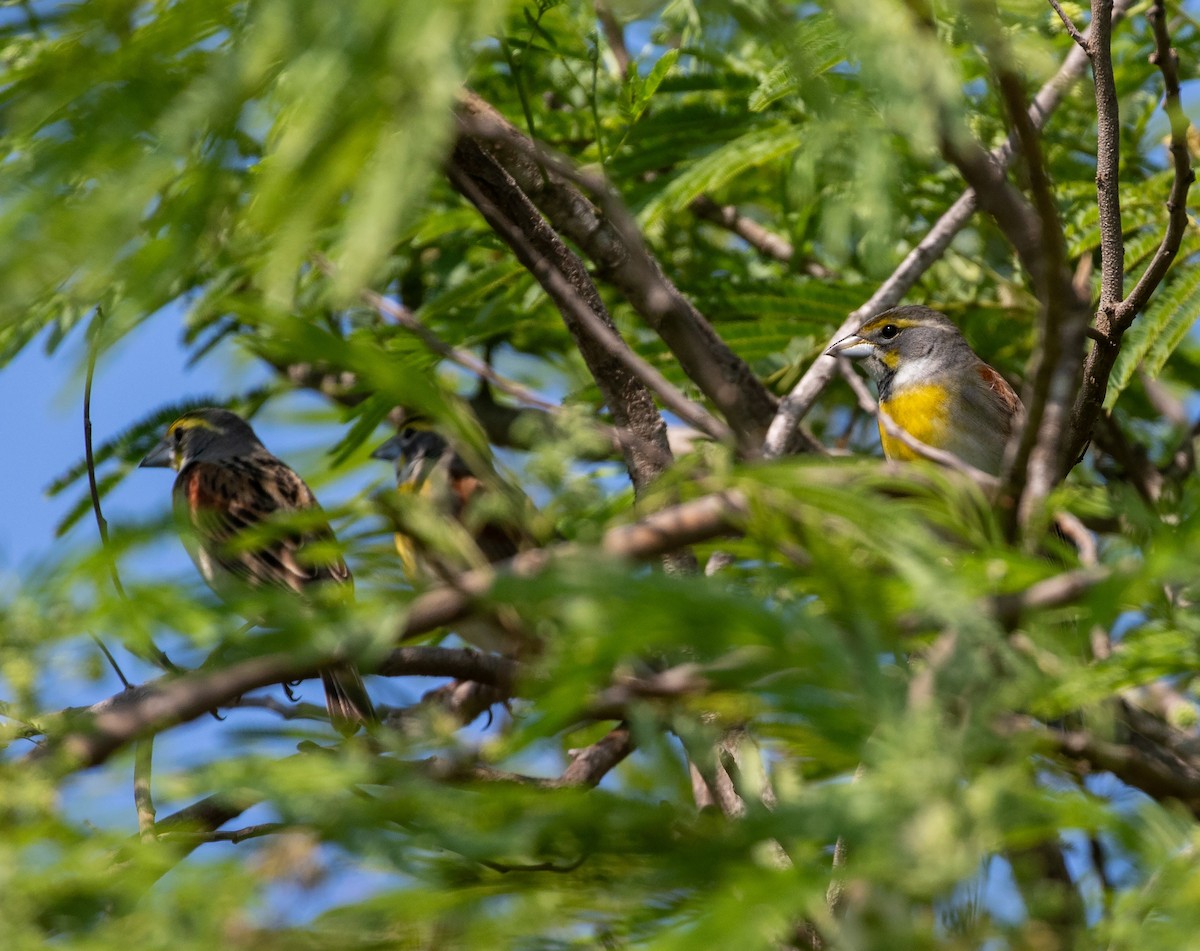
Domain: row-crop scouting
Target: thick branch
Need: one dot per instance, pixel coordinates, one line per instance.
(1158, 765)
(613, 244)
(623, 376)
(1038, 462)
(625, 380)
(462, 663)
(592, 763)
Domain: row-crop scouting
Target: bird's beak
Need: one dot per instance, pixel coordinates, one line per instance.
(161, 456)
(853, 346)
(390, 451)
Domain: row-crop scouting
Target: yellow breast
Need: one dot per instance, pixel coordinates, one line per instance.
(922, 411)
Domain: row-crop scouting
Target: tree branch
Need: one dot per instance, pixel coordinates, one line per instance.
(625, 380)
(232, 835)
(614, 35)
(623, 376)
(1036, 462)
(1072, 29)
(616, 248)
(763, 240)
(1162, 770)
(592, 763)
(155, 655)
(1116, 315)
(93, 736)
(143, 763)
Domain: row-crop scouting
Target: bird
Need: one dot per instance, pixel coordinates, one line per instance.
(445, 525)
(228, 484)
(934, 387)
(427, 466)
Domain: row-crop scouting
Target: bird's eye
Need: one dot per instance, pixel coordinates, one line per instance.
(889, 331)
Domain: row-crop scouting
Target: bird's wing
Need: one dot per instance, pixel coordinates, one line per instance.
(1004, 395)
(219, 501)
(497, 540)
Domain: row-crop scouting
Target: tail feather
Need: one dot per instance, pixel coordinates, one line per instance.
(346, 699)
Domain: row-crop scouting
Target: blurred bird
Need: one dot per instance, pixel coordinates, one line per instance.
(427, 466)
(934, 386)
(444, 526)
(228, 484)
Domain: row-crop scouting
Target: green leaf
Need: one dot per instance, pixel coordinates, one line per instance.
(1153, 338)
(643, 92)
(725, 163)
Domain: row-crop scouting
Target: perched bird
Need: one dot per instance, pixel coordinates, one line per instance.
(229, 483)
(427, 466)
(934, 386)
(444, 526)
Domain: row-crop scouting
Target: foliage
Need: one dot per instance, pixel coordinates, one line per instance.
(997, 732)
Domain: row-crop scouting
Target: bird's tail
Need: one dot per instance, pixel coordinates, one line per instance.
(346, 699)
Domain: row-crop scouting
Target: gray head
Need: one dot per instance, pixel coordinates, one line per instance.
(206, 435)
(415, 450)
(915, 338)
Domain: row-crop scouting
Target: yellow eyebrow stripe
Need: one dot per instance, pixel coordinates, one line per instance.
(899, 322)
(190, 422)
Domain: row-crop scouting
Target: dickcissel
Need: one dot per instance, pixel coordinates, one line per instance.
(229, 483)
(427, 466)
(444, 525)
(934, 386)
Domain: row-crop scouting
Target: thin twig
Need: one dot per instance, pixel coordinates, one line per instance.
(762, 239)
(101, 521)
(464, 358)
(112, 661)
(504, 868)
(143, 799)
(159, 658)
(1072, 29)
(232, 835)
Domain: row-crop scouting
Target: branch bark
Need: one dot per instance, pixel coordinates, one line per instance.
(608, 237)
(92, 736)
(1116, 315)
(624, 378)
